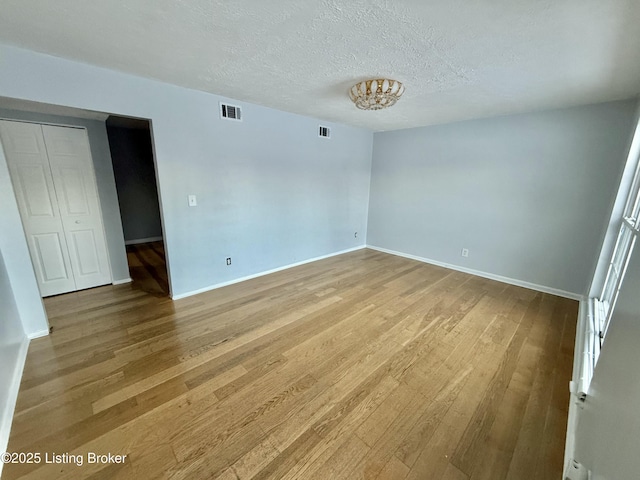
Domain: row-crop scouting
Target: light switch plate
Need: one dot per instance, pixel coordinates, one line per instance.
(192, 201)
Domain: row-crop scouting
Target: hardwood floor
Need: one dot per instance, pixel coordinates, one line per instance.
(364, 365)
(148, 268)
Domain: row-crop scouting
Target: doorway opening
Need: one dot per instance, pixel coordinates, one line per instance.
(132, 157)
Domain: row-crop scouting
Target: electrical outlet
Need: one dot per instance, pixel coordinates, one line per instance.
(355, 235)
(228, 260)
(465, 252)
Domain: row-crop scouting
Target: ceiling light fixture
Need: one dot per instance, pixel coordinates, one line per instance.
(376, 94)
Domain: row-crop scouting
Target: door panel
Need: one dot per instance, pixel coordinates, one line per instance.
(35, 194)
(83, 248)
(31, 180)
(74, 195)
(49, 250)
(26, 141)
(77, 194)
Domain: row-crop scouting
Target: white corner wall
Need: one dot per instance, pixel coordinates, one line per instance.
(22, 314)
(529, 195)
(270, 192)
(13, 350)
(17, 261)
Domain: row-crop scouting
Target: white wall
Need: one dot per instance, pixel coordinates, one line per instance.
(529, 195)
(21, 309)
(608, 432)
(13, 341)
(101, 156)
(11, 331)
(270, 192)
(17, 261)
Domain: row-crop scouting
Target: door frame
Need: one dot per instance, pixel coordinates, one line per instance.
(159, 194)
(32, 114)
(159, 190)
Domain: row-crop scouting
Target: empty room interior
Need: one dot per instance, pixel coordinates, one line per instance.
(319, 240)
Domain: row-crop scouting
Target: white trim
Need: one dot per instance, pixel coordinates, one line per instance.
(53, 124)
(581, 376)
(625, 189)
(142, 240)
(491, 276)
(585, 354)
(267, 272)
(38, 334)
(120, 282)
(12, 393)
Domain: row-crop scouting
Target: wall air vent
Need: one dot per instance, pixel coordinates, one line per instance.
(230, 112)
(324, 132)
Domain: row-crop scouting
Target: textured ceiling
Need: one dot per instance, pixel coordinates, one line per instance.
(459, 59)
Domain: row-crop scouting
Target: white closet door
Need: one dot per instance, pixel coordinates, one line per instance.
(77, 194)
(33, 185)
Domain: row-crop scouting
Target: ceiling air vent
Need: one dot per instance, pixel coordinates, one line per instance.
(324, 132)
(230, 112)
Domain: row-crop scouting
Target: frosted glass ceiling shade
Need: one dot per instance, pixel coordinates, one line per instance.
(376, 94)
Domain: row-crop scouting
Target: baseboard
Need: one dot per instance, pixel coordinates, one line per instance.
(120, 282)
(38, 334)
(579, 383)
(142, 240)
(491, 276)
(7, 416)
(261, 274)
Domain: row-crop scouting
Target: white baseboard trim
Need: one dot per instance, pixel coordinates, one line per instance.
(38, 334)
(120, 282)
(12, 392)
(579, 384)
(491, 276)
(142, 240)
(267, 272)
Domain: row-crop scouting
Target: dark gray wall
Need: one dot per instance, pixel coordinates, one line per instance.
(101, 156)
(134, 171)
(528, 195)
